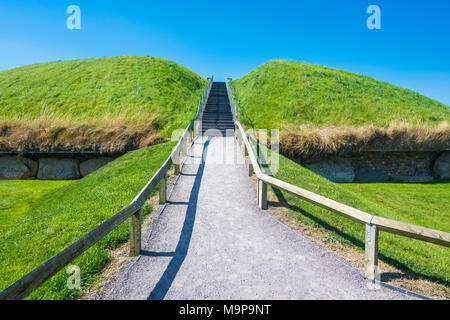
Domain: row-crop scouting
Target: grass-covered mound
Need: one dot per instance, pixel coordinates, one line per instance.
(66, 213)
(323, 110)
(107, 104)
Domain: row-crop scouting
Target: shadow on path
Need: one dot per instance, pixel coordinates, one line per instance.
(162, 287)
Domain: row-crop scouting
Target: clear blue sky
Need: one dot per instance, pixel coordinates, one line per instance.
(230, 38)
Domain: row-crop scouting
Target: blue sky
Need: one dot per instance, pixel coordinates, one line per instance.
(230, 38)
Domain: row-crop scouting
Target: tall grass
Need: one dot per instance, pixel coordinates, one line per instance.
(309, 142)
(325, 111)
(120, 102)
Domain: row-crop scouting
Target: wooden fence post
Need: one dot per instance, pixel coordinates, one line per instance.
(262, 194)
(371, 252)
(163, 190)
(177, 163)
(135, 234)
(257, 147)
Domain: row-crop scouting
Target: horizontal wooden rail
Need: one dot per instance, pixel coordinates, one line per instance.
(34, 279)
(30, 282)
(251, 155)
(373, 223)
(383, 224)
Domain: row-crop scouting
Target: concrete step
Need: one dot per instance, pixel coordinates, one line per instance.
(222, 120)
(212, 121)
(218, 112)
(220, 127)
(214, 133)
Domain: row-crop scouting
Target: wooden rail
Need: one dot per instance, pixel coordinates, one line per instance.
(34, 279)
(373, 223)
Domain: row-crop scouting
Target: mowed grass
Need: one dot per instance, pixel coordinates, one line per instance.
(286, 94)
(426, 205)
(61, 216)
(127, 89)
(18, 196)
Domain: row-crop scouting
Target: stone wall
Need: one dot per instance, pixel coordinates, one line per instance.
(50, 166)
(384, 166)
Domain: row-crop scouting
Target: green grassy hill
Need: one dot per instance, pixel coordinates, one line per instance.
(284, 94)
(53, 215)
(325, 111)
(322, 111)
(88, 98)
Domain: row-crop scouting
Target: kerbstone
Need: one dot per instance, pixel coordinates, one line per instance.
(17, 168)
(89, 166)
(370, 175)
(58, 169)
(441, 168)
(336, 170)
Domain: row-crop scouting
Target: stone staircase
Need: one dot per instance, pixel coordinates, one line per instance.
(217, 118)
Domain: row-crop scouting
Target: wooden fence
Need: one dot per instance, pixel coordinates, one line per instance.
(33, 280)
(373, 223)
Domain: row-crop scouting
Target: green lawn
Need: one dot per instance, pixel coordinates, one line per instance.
(282, 94)
(19, 196)
(422, 204)
(126, 89)
(426, 205)
(36, 228)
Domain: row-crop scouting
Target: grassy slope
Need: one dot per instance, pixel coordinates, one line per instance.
(282, 94)
(428, 260)
(285, 94)
(19, 196)
(425, 204)
(131, 89)
(66, 214)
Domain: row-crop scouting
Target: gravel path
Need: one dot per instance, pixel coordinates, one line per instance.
(213, 242)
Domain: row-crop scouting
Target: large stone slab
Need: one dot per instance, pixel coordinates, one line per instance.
(441, 168)
(58, 169)
(17, 168)
(411, 179)
(365, 175)
(89, 166)
(336, 170)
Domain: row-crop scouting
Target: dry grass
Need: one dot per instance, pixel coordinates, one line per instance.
(48, 135)
(307, 142)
